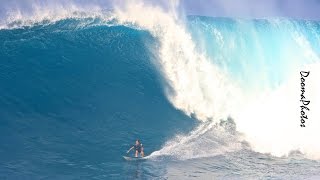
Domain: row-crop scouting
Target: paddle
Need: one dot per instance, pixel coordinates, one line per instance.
(130, 149)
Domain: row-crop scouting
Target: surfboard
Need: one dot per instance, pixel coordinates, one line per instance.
(134, 158)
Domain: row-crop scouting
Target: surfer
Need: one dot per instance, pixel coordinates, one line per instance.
(138, 148)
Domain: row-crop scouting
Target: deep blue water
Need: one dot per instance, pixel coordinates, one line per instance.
(74, 99)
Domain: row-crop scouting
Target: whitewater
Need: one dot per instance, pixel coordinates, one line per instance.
(210, 97)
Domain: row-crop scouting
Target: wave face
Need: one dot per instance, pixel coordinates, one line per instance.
(78, 88)
(74, 97)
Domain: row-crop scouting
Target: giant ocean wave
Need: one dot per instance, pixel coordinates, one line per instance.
(209, 85)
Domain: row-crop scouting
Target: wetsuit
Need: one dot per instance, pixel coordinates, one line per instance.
(138, 147)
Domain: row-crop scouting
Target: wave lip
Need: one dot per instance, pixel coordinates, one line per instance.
(49, 12)
(242, 72)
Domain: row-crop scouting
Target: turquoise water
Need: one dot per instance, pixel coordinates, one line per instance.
(75, 97)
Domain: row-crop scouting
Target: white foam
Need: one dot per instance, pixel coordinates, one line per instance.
(272, 121)
(47, 12)
(269, 119)
(196, 85)
(208, 139)
(199, 87)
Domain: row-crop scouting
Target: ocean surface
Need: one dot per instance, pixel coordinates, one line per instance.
(209, 97)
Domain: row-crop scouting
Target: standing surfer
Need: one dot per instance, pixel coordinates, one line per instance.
(138, 148)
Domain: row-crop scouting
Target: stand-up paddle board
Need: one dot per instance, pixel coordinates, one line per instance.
(134, 158)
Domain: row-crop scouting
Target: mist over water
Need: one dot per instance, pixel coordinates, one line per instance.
(237, 62)
(214, 87)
